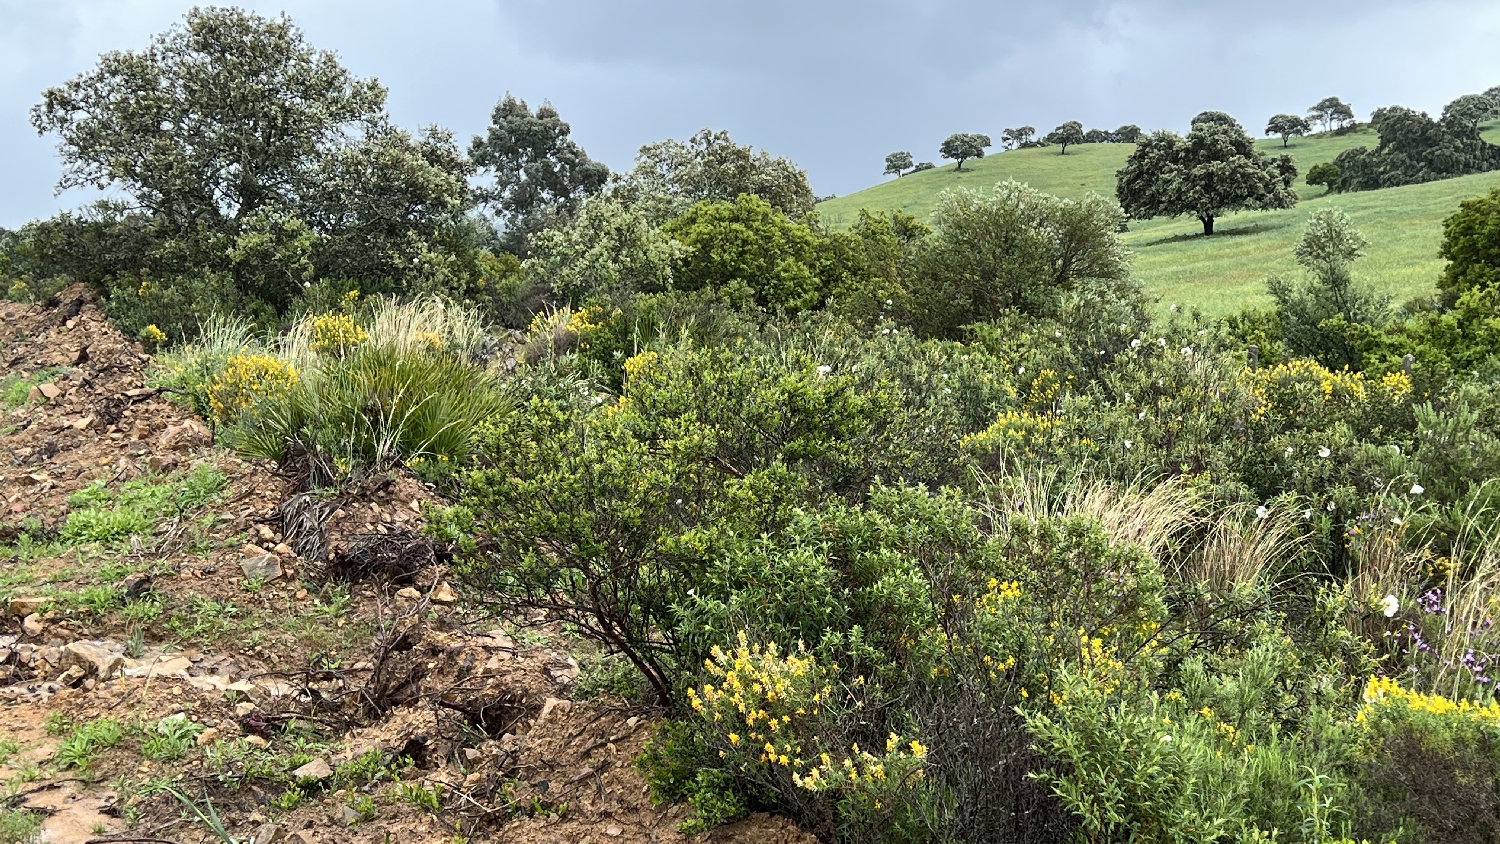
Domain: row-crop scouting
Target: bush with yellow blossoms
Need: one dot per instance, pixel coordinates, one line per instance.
(246, 379)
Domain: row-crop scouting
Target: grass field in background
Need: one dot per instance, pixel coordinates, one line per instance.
(1227, 271)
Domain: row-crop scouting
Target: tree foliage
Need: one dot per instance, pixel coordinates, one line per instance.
(253, 165)
(1325, 173)
(1127, 134)
(1415, 148)
(1014, 248)
(1217, 118)
(1472, 109)
(1287, 125)
(1065, 135)
(1331, 112)
(962, 146)
(897, 163)
(610, 247)
(711, 166)
(1471, 245)
(219, 118)
(1020, 136)
(1214, 170)
(540, 173)
(751, 253)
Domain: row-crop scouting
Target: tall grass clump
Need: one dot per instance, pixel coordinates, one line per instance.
(360, 387)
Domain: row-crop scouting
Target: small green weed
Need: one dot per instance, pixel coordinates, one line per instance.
(289, 799)
(364, 804)
(80, 748)
(426, 799)
(369, 767)
(203, 618)
(170, 738)
(8, 748)
(146, 609)
(94, 600)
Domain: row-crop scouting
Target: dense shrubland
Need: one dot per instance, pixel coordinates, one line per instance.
(920, 531)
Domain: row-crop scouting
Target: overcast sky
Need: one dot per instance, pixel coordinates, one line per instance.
(833, 85)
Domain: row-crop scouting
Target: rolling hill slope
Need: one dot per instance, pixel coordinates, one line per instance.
(1227, 271)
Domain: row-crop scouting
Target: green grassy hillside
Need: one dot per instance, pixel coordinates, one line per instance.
(1227, 271)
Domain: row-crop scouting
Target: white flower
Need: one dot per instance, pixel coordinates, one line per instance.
(1261, 512)
(1307, 514)
(1389, 605)
(1288, 451)
(1128, 443)
(824, 369)
(1332, 506)
(1135, 343)
(1325, 452)
(1187, 351)
(1173, 307)
(1417, 489)
(888, 302)
(1165, 738)
(947, 390)
(1161, 341)
(1057, 333)
(1141, 415)
(1396, 520)
(1020, 370)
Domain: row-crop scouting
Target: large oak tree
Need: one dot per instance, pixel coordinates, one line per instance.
(1214, 170)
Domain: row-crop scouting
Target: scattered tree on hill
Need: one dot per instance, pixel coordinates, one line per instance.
(1017, 137)
(1325, 174)
(1214, 170)
(1331, 112)
(1067, 134)
(1415, 148)
(1127, 134)
(897, 163)
(922, 165)
(1316, 317)
(1015, 248)
(1098, 136)
(540, 173)
(964, 145)
(711, 166)
(1287, 125)
(1472, 109)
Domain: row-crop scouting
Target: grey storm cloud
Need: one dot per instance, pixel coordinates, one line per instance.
(833, 85)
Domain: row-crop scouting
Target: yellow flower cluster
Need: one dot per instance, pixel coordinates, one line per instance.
(1385, 692)
(764, 703)
(865, 772)
(1295, 387)
(757, 694)
(153, 336)
(336, 333)
(637, 364)
(246, 379)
